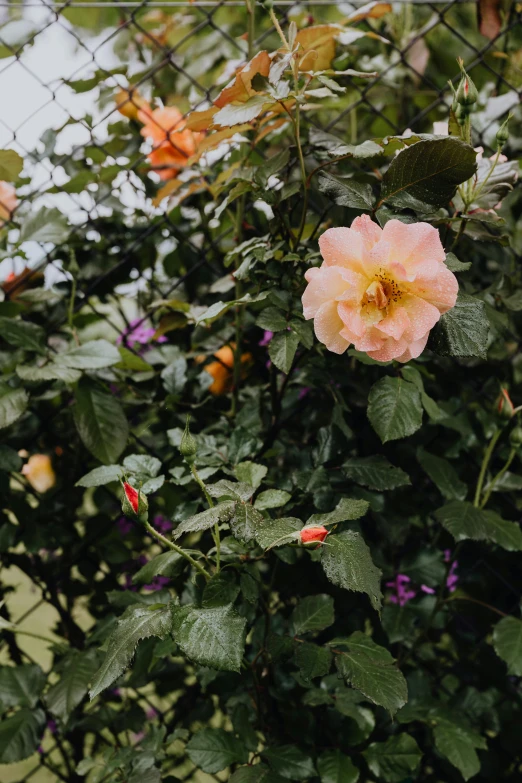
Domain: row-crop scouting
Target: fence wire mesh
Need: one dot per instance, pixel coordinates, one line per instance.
(61, 68)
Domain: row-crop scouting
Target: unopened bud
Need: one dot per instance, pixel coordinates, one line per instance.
(503, 133)
(467, 93)
(134, 503)
(461, 112)
(313, 535)
(515, 437)
(188, 446)
(505, 407)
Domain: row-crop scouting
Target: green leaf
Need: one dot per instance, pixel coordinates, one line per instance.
(278, 532)
(212, 637)
(258, 773)
(282, 348)
(98, 477)
(230, 489)
(272, 498)
(236, 114)
(214, 749)
(507, 640)
(221, 590)
(394, 409)
(347, 192)
(290, 762)
(100, 421)
(47, 372)
(312, 660)
(334, 767)
(395, 759)
(142, 465)
(136, 623)
(245, 521)
(93, 355)
(454, 265)
(251, 473)
(9, 459)
(443, 475)
(168, 564)
(20, 686)
(13, 403)
(347, 562)
(371, 669)
(23, 334)
(313, 613)
(346, 510)
(458, 747)
(429, 171)
(63, 697)
(20, 735)
(462, 331)
(206, 519)
(46, 225)
(464, 521)
(375, 473)
(11, 164)
(272, 319)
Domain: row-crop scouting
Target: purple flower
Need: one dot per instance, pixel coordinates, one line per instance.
(138, 334)
(51, 725)
(402, 594)
(157, 583)
(452, 580)
(426, 589)
(267, 336)
(124, 525)
(162, 524)
(151, 713)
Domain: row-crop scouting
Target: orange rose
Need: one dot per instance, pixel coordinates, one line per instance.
(39, 472)
(173, 143)
(222, 370)
(130, 103)
(8, 202)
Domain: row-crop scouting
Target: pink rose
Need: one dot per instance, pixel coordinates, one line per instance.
(380, 289)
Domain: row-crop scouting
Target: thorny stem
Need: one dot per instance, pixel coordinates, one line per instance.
(275, 22)
(512, 455)
(215, 532)
(485, 462)
(175, 548)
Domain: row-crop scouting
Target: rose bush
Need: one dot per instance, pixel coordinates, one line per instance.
(260, 463)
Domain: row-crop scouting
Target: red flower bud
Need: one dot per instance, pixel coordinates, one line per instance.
(134, 504)
(311, 534)
(505, 406)
(132, 496)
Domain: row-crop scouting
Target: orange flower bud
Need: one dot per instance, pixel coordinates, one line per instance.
(313, 534)
(39, 472)
(505, 407)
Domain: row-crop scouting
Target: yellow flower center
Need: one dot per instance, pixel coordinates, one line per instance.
(382, 291)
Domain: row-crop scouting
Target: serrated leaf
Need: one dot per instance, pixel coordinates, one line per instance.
(282, 348)
(63, 697)
(428, 171)
(462, 331)
(348, 509)
(290, 762)
(100, 421)
(395, 759)
(47, 372)
(507, 640)
(206, 519)
(272, 319)
(257, 773)
(347, 192)
(463, 521)
(347, 562)
(11, 164)
(245, 521)
(167, 564)
(23, 334)
(231, 489)
(214, 749)
(93, 355)
(251, 473)
(221, 590)
(20, 735)
(313, 613)
(454, 265)
(46, 225)
(137, 623)
(312, 660)
(375, 473)
(142, 465)
(334, 767)
(371, 669)
(278, 532)
(98, 477)
(443, 475)
(13, 403)
(212, 637)
(272, 498)
(394, 408)
(457, 746)
(20, 686)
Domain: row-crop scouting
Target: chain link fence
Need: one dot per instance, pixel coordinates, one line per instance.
(62, 66)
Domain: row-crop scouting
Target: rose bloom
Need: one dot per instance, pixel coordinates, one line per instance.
(222, 370)
(8, 201)
(39, 472)
(380, 289)
(172, 145)
(311, 534)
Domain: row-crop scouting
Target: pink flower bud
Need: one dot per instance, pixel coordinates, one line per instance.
(311, 534)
